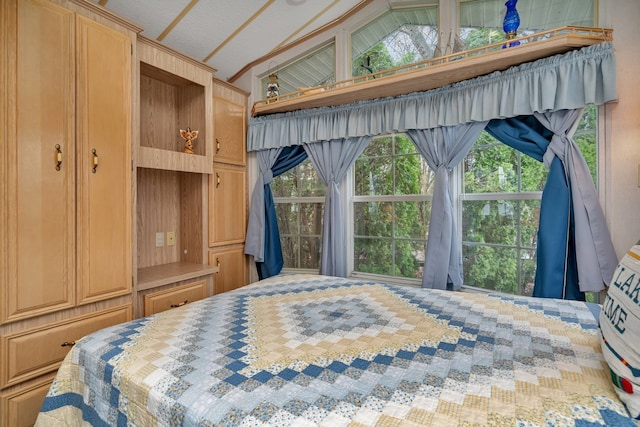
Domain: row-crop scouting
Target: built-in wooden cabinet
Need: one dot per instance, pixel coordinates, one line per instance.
(232, 267)
(228, 188)
(158, 301)
(175, 93)
(66, 82)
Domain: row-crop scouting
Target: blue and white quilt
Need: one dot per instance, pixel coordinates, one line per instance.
(307, 350)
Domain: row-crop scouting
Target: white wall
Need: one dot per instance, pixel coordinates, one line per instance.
(619, 133)
(620, 194)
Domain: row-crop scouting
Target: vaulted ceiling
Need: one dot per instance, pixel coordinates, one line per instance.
(230, 35)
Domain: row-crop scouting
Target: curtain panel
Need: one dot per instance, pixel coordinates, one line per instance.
(567, 81)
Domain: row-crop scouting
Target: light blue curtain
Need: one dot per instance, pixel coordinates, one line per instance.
(263, 237)
(571, 80)
(332, 160)
(595, 255)
(444, 148)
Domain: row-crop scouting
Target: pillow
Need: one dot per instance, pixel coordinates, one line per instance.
(620, 330)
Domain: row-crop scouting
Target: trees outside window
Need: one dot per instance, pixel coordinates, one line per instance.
(391, 207)
(496, 190)
(299, 201)
(501, 194)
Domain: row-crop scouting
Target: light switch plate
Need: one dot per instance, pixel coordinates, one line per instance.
(159, 239)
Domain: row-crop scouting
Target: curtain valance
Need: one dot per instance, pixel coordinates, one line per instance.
(567, 81)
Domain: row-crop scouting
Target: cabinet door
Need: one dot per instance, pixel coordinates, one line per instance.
(37, 168)
(232, 263)
(229, 128)
(227, 205)
(104, 161)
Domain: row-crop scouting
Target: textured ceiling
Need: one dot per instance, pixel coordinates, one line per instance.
(229, 34)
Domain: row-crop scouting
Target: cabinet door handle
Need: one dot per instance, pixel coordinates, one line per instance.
(217, 146)
(218, 262)
(58, 157)
(68, 344)
(218, 181)
(179, 305)
(95, 160)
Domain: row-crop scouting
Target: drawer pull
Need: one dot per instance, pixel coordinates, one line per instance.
(217, 146)
(95, 161)
(179, 305)
(58, 157)
(68, 344)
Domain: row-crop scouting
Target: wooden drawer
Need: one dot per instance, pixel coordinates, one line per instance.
(174, 297)
(37, 351)
(20, 408)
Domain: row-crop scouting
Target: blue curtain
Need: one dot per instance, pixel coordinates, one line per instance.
(288, 158)
(556, 271)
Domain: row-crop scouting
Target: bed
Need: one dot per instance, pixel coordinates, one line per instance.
(310, 350)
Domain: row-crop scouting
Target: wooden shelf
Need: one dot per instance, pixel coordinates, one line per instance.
(157, 158)
(164, 274)
(436, 72)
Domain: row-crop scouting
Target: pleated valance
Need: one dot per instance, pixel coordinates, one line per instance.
(567, 81)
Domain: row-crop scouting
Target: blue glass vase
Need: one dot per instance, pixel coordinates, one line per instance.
(511, 22)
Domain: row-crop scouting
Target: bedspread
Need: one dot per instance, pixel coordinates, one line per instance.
(307, 350)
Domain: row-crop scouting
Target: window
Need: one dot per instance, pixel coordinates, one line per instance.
(496, 190)
(314, 69)
(299, 201)
(481, 20)
(501, 194)
(391, 208)
(398, 37)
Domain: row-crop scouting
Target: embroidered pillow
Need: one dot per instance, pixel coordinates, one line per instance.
(620, 330)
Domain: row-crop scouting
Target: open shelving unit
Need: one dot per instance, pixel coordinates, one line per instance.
(436, 72)
(175, 92)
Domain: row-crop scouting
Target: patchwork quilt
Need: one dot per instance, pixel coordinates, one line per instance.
(307, 350)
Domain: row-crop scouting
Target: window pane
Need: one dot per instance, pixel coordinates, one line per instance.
(373, 176)
(301, 181)
(399, 37)
(310, 249)
(411, 219)
(412, 175)
(481, 20)
(288, 214)
(373, 219)
(409, 261)
(310, 184)
(315, 69)
(529, 222)
(491, 268)
(311, 218)
(300, 226)
(491, 168)
(490, 221)
(534, 174)
(373, 256)
(586, 139)
(290, 251)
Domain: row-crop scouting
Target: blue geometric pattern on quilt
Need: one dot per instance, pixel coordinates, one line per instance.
(308, 350)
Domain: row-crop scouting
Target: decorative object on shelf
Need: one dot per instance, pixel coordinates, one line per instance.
(367, 65)
(273, 87)
(511, 23)
(188, 135)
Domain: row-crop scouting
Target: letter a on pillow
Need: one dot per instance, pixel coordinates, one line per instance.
(620, 330)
